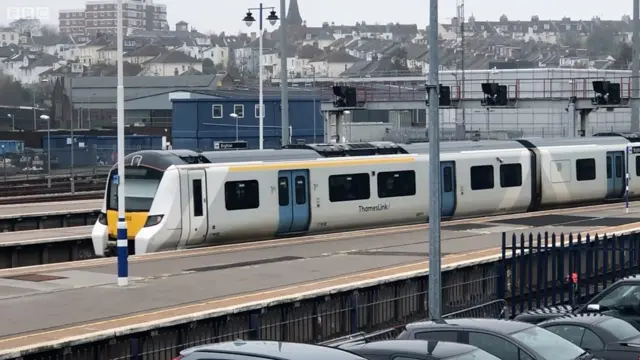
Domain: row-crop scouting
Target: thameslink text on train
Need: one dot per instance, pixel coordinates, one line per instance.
(379, 207)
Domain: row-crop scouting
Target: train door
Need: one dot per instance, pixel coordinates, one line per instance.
(615, 174)
(293, 199)
(198, 207)
(448, 195)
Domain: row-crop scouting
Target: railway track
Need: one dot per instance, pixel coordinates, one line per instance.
(20, 193)
(79, 254)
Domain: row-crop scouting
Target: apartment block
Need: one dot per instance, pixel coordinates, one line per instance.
(72, 22)
(100, 16)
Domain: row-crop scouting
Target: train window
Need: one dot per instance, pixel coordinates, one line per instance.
(609, 164)
(638, 165)
(241, 195)
(283, 191)
(585, 169)
(447, 179)
(197, 197)
(510, 175)
(618, 166)
(349, 187)
(396, 183)
(301, 190)
(482, 177)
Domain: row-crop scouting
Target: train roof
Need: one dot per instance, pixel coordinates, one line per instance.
(459, 146)
(162, 159)
(579, 141)
(259, 155)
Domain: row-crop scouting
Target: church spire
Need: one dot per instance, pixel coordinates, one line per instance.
(293, 15)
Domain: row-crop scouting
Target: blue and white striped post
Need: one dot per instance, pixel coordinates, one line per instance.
(123, 243)
(626, 192)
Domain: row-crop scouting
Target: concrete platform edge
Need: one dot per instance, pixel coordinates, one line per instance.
(168, 322)
(103, 335)
(53, 240)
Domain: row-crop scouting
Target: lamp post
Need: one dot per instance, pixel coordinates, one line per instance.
(13, 121)
(249, 20)
(48, 120)
(310, 66)
(235, 116)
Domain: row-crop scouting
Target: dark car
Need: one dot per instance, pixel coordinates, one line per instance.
(417, 350)
(621, 299)
(607, 337)
(261, 350)
(505, 339)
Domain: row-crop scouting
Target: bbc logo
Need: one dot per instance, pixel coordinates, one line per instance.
(26, 12)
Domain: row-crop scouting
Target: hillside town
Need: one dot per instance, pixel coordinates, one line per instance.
(82, 47)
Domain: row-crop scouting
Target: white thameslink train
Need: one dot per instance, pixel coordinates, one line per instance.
(182, 199)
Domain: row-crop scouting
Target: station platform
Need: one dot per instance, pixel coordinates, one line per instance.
(57, 301)
(44, 236)
(49, 208)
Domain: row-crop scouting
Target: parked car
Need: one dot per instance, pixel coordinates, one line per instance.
(265, 350)
(505, 339)
(605, 336)
(621, 299)
(417, 350)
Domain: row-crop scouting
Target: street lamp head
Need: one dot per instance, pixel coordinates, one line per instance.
(272, 17)
(234, 115)
(44, 117)
(249, 19)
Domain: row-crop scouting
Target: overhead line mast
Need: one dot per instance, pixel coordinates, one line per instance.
(462, 126)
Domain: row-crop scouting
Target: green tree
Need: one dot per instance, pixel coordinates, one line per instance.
(624, 56)
(601, 41)
(399, 60)
(208, 67)
(49, 30)
(571, 39)
(12, 93)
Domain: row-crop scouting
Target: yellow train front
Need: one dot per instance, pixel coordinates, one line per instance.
(143, 174)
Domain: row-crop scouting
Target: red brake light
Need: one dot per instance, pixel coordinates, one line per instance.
(180, 357)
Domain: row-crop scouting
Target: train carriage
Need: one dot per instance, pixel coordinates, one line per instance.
(185, 199)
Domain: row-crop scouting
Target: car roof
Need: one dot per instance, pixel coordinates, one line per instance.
(585, 319)
(416, 347)
(276, 349)
(498, 326)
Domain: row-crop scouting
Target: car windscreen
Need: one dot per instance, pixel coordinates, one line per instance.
(619, 328)
(473, 355)
(547, 344)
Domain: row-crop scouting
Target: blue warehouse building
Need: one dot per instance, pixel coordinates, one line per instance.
(198, 123)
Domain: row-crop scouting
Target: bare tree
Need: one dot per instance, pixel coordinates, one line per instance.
(23, 26)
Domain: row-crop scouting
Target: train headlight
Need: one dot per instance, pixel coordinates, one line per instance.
(153, 220)
(102, 219)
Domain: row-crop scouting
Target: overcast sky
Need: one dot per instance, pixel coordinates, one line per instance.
(222, 15)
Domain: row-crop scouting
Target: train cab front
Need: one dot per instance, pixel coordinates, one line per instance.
(141, 184)
(143, 176)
